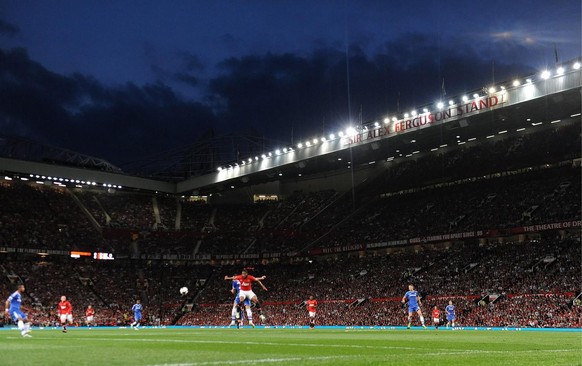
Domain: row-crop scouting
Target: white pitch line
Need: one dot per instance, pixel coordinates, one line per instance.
(261, 360)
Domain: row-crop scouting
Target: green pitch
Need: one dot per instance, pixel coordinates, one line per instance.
(185, 346)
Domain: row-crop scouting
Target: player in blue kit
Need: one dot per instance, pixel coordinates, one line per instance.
(450, 310)
(13, 311)
(136, 308)
(414, 304)
(237, 313)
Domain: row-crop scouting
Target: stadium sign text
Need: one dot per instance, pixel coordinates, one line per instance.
(427, 119)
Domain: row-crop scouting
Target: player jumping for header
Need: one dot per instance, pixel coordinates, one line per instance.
(414, 304)
(246, 291)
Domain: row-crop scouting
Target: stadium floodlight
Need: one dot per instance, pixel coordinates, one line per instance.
(492, 90)
(394, 119)
(475, 96)
(315, 141)
(256, 158)
(386, 120)
(77, 181)
(323, 139)
(278, 152)
(243, 162)
(250, 160)
(280, 174)
(264, 156)
(376, 124)
(270, 154)
(236, 164)
(365, 128)
(299, 145)
(424, 110)
(440, 105)
(413, 113)
(351, 131)
(307, 143)
(545, 74)
(576, 66)
(340, 134)
(560, 71)
(331, 136)
(465, 98)
(451, 102)
(528, 80)
(405, 115)
(516, 83)
(285, 150)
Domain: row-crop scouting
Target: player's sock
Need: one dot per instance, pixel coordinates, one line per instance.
(422, 320)
(21, 327)
(258, 307)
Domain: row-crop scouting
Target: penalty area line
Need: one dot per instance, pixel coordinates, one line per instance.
(260, 360)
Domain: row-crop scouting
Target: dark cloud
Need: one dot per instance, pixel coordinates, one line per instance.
(119, 123)
(273, 94)
(7, 29)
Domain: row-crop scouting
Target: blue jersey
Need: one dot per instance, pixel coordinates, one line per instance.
(412, 297)
(450, 309)
(137, 308)
(15, 300)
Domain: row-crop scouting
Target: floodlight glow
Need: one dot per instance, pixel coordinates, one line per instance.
(250, 160)
(264, 156)
(307, 143)
(315, 141)
(545, 74)
(465, 98)
(256, 158)
(560, 71)
(285, 150)
(528, 81)
(405, 115)
(340, 134)
(516, 83)
(576, 66)
(376, 124)
(386, 120)
(278, 152)
(492, 90)
(299, 145)
(270, 154)
(424, 110)
(502, 87)
(394, 119)
(331, 136)
(242, 162)
(475, 96)
(351, 131)
(440, 105)
(323, 139)
(413, 113)
(451, 102)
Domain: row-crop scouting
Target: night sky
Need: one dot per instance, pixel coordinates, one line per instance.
(123, 80)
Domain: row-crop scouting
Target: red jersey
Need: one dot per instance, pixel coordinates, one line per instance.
(436, 313)
(89, 312)
(311, 305)
(245, 283)
(65, 308)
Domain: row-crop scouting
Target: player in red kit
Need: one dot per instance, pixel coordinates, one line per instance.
(65, 310)
(89, 315)
(311, 308)
(246, 292)
(436, 316)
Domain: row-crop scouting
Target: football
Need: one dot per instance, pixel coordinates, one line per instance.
(184, 290)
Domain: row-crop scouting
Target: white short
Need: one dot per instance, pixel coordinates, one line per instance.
(90, 319)
(436, 320)
(246, 294)
(312, 314)
(66, 317)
